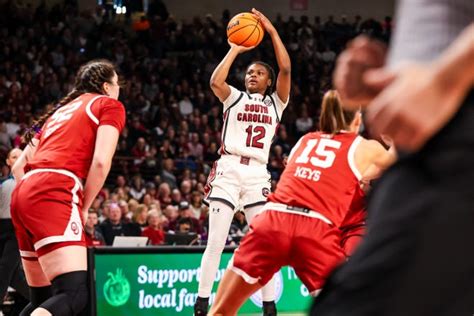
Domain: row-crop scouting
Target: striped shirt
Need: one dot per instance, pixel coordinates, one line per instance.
(6, 189)
(425, 28)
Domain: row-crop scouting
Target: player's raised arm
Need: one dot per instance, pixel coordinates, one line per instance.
(283, 83)
(218, 78)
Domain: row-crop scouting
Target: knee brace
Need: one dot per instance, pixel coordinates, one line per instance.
(69, 294)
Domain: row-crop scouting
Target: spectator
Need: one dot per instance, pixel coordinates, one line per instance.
(304, 123)
(137, 190)
(185, 106)
(196, 149)
(115, 226)
(185, 188)
(164, 194)
(126, 213)
(196, 205)
(185, 212)
(167, 175)
(171, 213)
(154, 230)
(184, 226)
(176, 197)
(140, 216)
(93, 235)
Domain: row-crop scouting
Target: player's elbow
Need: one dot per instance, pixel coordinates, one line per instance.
(214, 83)
(101, 163)
(286, 69)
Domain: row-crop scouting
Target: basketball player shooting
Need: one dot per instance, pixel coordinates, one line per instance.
(240, 176)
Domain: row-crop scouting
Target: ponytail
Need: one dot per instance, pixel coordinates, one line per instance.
(334, 118)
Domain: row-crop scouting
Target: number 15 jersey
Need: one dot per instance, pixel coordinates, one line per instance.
(250, 123)
(321, 175)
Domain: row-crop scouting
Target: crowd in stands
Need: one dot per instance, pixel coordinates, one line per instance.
(173, 119)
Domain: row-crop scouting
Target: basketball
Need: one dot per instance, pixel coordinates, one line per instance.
(245, 30)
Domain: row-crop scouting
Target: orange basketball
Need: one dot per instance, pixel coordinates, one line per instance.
(243, 29)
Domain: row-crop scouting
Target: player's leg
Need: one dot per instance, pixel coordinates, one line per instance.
(59, 244)
(223, 189)
(220, 218)
(233, 291)
(316, 252)
(40, 286)
(268, 291)
(255, 261)
(66, 267)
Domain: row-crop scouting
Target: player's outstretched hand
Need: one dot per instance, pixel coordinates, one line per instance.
(267, 25)
(361, 55)
(414, 107)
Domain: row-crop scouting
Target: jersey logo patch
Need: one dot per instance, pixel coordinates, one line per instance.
(265, 192)
(267, 102)
(74, 228)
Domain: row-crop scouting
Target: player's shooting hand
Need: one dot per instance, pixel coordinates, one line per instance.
(361, 55)
(414, 107)
(267, 25)
(238, 48)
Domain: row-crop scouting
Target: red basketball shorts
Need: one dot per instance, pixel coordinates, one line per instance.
(351, 238)
(310, 245)
(46, 212)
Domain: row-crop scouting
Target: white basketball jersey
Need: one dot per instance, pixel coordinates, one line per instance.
(250, 123)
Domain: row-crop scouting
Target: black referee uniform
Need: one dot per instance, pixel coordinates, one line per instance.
(417, 257)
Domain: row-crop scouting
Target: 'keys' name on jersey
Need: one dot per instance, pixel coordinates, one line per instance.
(320, 175)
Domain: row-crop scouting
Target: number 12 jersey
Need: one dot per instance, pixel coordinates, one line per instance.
(250, 123)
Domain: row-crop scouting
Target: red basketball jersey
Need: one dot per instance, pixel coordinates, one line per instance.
(321, 175)
(357, 210)
(67, 139)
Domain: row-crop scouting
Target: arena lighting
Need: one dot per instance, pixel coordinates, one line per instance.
(121, 10)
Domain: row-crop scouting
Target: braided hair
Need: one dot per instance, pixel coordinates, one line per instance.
(89, 79)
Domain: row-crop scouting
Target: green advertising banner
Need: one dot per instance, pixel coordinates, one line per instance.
(167, 284)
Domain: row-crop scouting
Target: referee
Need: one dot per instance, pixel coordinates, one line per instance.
(9, 254)
(416, 258)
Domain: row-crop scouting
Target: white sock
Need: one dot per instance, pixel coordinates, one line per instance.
(219, 224)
